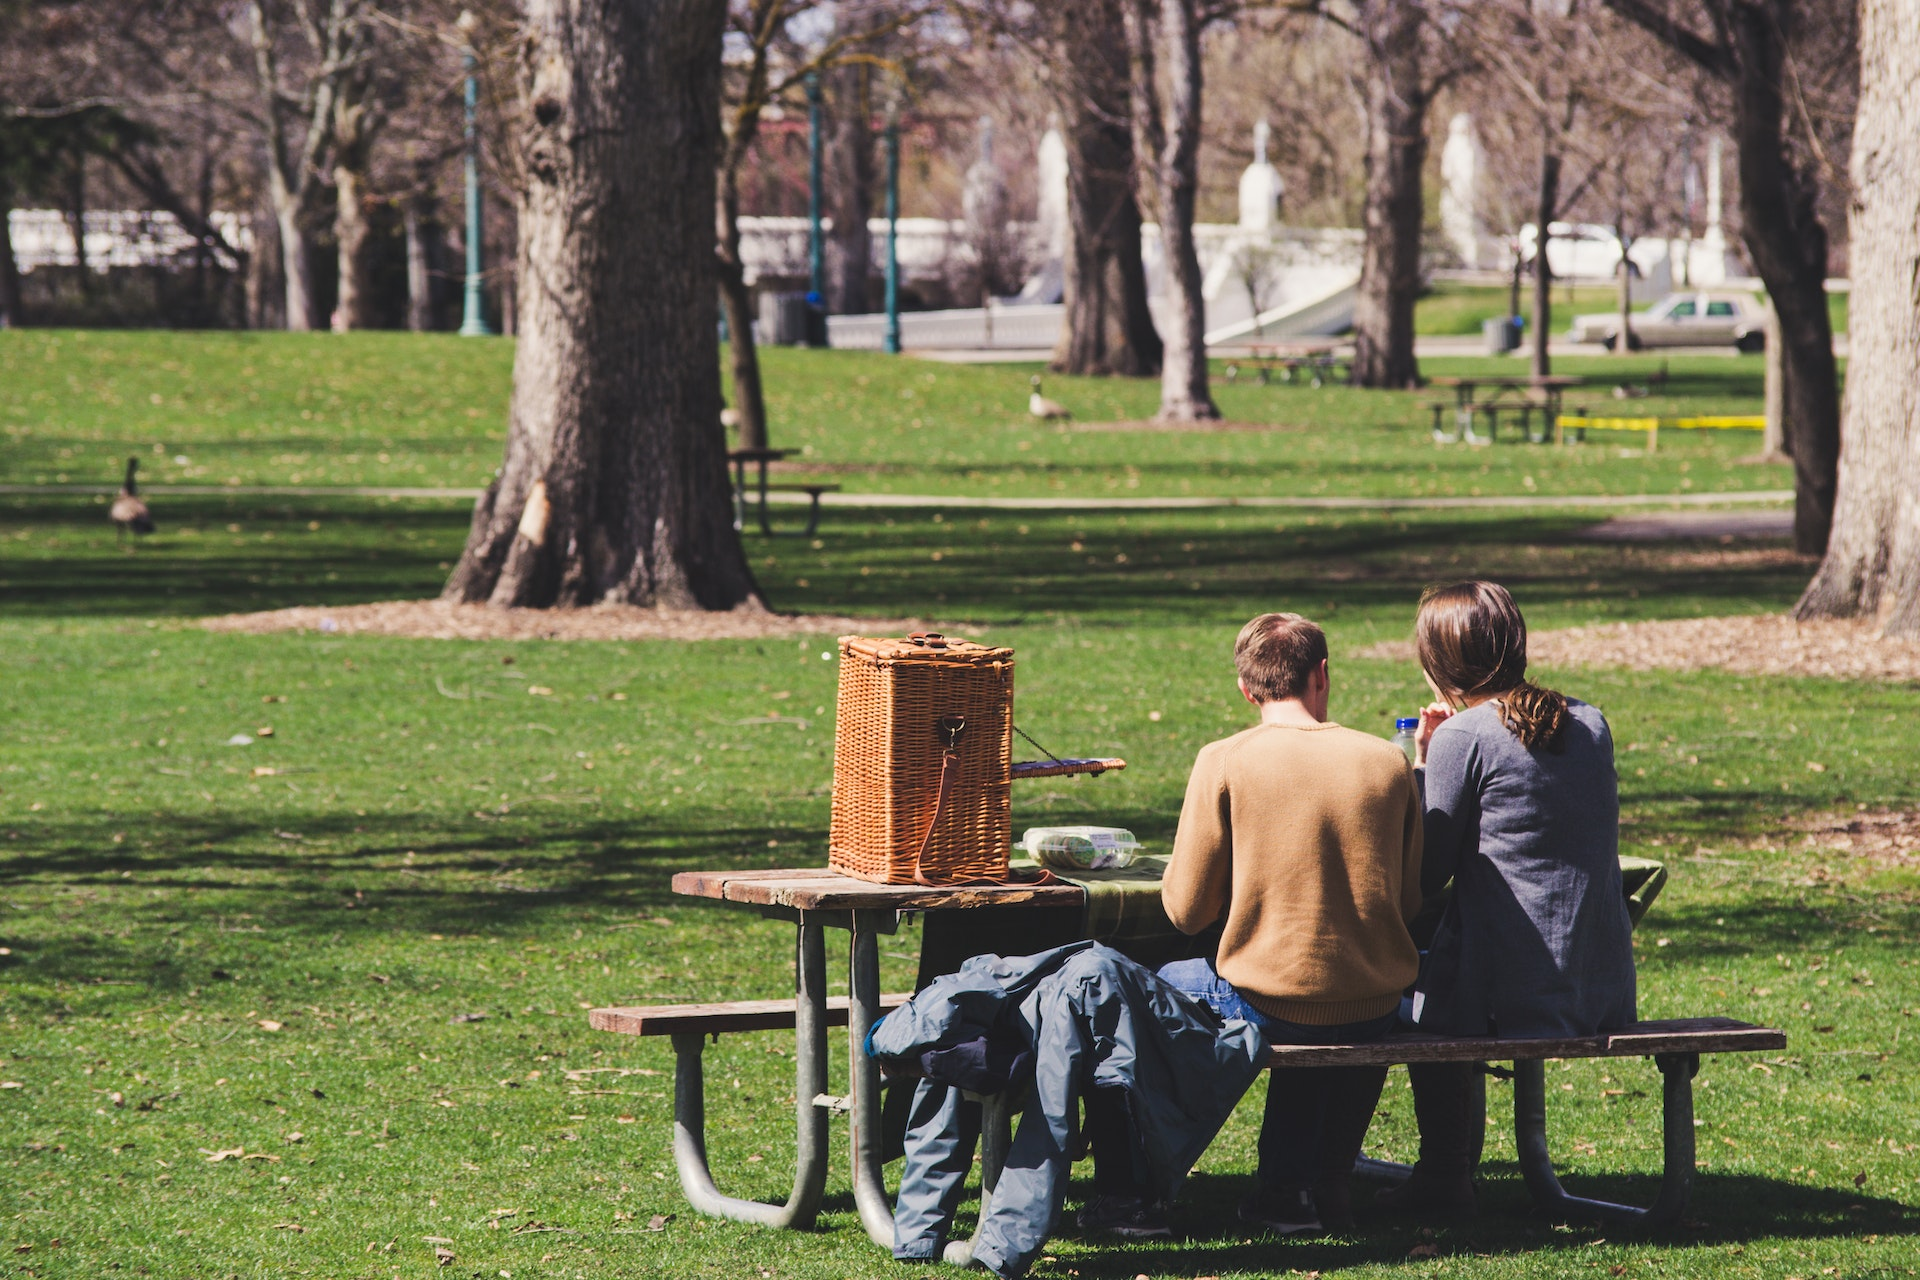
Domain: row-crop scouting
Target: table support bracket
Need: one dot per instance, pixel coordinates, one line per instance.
(1676, 1183)
(810, 1071)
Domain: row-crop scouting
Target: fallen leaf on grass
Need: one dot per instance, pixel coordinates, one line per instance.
(268, 1024)
(301, 1227)
(659, 1221)
(443, 1255)
(11, 1084)
(1860, 1179)
(236, 1153)
(459, 1018)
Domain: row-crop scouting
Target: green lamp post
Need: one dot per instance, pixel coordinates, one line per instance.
(473, 323)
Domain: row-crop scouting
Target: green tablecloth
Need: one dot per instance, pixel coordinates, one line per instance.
(1123, 905)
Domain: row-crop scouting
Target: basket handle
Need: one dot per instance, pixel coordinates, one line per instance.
(930, 640)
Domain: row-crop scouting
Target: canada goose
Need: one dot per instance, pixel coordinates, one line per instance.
(1041, 407)
(127, 511)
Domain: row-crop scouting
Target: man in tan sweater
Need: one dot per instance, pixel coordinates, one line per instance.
(1301, 839)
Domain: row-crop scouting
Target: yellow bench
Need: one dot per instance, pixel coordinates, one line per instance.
(1726, 422)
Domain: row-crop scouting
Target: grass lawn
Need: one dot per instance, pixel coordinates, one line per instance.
(427, 410)
(277, 950)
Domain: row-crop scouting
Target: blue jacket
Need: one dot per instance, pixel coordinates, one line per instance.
(1090, 1018)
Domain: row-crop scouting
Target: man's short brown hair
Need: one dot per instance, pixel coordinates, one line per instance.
(1276, 653)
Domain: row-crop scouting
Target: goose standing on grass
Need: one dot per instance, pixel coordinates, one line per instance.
(127, 511)
(1042, 408)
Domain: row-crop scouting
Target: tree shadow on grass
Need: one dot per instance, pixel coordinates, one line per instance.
(350, 877)
(1725, 1209)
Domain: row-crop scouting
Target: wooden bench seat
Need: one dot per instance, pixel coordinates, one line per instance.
(1641, 1040)
(1674, 1045)
(713, 1019)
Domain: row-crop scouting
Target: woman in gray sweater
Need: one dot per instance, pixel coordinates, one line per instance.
(1522, 818)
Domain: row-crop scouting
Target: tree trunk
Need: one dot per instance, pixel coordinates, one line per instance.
(1543, 273)
(849, 187)
(353, 235)
(1774, 442)
(352, 232)
(1164, 43)
(749, 398)
(77, 220)
(296, 258)
(1109, 327)
(1872, 565)
(1781, 226)
(1623, 341)
(265, 294)
(1396, 153)
(419, 265)
(9, 265)
(614, 487)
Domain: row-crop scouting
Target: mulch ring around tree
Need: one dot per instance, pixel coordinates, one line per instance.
(441, 620)
(1761, 645)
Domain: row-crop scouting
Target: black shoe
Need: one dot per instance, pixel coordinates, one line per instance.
(1287, 1211)
(1129, 1217)
(1430, 1193)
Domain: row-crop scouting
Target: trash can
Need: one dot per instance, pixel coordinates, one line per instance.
(1502, 335)
(783, 319)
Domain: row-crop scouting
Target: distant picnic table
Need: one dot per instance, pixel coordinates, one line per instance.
(1319, 359)
(1525, 395)
(741, 459)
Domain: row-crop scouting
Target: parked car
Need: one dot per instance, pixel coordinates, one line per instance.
(1683, 320)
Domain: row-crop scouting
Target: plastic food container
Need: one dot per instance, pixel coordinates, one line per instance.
(1081, 848)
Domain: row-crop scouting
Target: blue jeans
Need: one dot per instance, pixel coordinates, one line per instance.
(1316, 1117)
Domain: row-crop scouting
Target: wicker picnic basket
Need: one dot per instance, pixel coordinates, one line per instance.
(922, 761)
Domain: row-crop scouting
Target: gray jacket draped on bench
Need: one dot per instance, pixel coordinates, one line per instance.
(1090, 1018)
(1536, 940)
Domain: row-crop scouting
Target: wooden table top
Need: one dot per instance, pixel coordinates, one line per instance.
(823, 889)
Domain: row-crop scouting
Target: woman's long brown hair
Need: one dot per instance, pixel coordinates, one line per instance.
(1472, 642)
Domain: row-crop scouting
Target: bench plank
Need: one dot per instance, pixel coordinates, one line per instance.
(1679, 1035)
(733, 1015)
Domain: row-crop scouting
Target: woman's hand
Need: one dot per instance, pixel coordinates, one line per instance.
(1432, 716)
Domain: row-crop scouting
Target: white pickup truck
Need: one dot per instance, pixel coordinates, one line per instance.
(1683, 320)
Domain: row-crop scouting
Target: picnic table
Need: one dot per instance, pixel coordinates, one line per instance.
(815, 900)
(741, 459)
(1121, 907)
(1528, 394)
(1319, 359)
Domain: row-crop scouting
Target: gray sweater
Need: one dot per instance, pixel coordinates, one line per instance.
(1535, 940)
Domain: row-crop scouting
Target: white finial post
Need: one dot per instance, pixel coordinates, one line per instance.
(1260, 134)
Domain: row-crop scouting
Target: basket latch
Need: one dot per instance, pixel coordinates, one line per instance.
(928, 639)
(951, 727)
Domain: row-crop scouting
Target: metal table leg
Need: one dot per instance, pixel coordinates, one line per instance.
(863, 1010)
(1676, 1183)
(810, 1078)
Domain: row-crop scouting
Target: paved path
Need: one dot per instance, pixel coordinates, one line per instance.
(1549, 502)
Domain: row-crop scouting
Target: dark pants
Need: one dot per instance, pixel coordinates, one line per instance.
(1317, 1117)
(1452, 1116)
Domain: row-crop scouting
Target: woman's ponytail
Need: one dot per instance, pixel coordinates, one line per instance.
(1534, 715)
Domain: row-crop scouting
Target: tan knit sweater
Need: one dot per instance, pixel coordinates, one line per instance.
(1307, 840)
